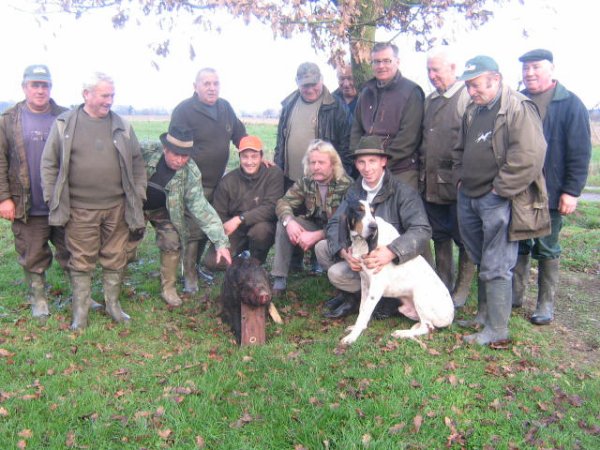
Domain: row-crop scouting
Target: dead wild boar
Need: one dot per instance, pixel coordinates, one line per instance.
(245, 281)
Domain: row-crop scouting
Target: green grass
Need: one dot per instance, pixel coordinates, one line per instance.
(175, 379)
(594, 174)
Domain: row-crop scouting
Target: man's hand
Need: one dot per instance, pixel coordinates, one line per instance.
(231, 225)
(353, 262)
(268, 163)
(378, 258)
(7, 209)
(567, 204)
(308, 239)
(294, 231)
(223, 253)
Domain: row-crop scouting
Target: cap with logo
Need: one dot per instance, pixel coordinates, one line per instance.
(478, 66)
(37, 72)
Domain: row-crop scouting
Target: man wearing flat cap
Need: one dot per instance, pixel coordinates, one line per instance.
(391, 200)
(245, 201)
(24, 129)
(501, 191)
(174, 187)
(567, 130)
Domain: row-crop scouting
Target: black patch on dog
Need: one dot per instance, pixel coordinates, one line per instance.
(354, 214)
(245, 281)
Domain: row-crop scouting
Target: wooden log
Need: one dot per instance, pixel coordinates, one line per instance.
(275, 314)
(253, 325)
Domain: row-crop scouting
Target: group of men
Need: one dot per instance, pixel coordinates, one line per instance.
(466, 165)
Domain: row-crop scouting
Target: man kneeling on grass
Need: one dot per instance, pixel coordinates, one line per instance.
(174, 185)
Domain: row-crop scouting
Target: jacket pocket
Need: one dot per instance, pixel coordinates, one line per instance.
(445, 185)
(530, 215)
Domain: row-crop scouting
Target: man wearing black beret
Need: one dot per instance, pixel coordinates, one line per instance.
(567, 132)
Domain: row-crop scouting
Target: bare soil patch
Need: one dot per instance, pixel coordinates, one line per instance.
(576, 326)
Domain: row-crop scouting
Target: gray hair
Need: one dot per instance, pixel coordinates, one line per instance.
(203, 71)
(325, 148)
(95, 79)
(444, 53)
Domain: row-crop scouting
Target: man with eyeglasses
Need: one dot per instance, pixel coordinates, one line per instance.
(391, 106)
(24, 129)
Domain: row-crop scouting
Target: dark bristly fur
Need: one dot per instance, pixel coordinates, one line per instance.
(245, 281)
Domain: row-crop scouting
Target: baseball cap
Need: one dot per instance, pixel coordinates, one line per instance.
(37, 72)
(250, 143)
(308, 73)
(538, 54)
(478, 66)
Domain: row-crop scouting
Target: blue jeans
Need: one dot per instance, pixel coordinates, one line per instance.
(547, 247)
(483, 223)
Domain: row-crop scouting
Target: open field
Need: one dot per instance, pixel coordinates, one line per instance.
(175, 379)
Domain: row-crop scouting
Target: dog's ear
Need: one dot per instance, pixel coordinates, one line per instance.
(372, 241)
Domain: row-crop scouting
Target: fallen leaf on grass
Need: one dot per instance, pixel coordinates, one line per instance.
(26, 433)
(70, 441)
(30, 396)
(594, 430)
(3, 412)
(417, 422)
(395, 429)
(22, 444)
(366, 439)
(452, 379)
(121, 372)
(200, 442)
(164, 434)
(242, 421)
(5, 353)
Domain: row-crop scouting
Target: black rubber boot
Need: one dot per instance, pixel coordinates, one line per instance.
(547, 285)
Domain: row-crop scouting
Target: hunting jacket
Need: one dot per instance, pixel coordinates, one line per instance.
(14, 170)
(184, 191)
(303, 200)
(396, 203)
(56, 161)
(332, 126)
(519, 147)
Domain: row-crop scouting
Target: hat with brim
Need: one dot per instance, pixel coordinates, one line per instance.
(477, 66)
(178, 140)
(308, 73)
(370, 145)
(539, 54)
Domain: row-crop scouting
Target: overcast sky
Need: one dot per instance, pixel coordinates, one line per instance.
(256, 71)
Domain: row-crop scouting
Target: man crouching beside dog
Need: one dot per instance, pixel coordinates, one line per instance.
(390, 199)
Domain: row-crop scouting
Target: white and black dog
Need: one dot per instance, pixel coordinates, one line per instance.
(424, 296)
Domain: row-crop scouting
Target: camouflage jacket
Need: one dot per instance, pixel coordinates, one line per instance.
(183, 191)
(303, 200)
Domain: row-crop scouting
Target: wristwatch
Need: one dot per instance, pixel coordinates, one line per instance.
(286, 221)
(242, 218)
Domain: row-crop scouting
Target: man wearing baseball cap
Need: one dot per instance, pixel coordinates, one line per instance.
(24, 129)
(174, 187)
(567, 131)
(498, 171)
(391, 200)
(245, 201)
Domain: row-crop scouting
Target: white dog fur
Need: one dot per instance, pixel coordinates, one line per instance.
(424, 296)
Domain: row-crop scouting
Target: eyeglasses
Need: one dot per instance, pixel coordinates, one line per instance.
(382, 62)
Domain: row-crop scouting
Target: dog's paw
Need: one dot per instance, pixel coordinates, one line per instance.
(402, 334)
(349, 340)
